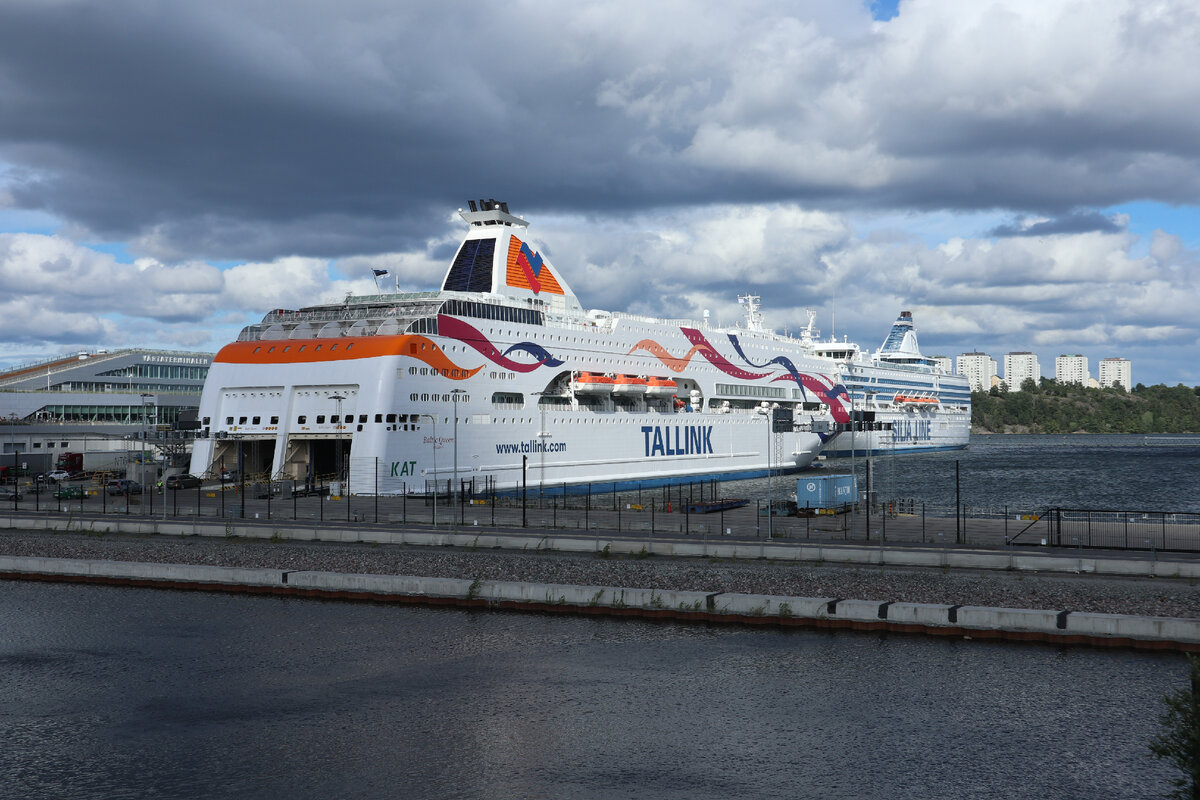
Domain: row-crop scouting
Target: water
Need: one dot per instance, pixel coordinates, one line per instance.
(1033, 472)
(124, 693)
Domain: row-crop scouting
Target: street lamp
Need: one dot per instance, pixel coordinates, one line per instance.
(433, 419)
(454, 394)
(770, 476)
(337, 435)
(146, 396)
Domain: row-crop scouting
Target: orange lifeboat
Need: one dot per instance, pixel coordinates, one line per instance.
(630, 385)
(660, 387)
(915, 401)
(592, 383)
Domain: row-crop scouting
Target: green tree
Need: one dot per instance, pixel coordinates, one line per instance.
(1179, 742)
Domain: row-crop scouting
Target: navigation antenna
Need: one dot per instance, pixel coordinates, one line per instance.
(753, 317)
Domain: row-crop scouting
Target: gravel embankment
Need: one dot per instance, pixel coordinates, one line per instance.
(1140, 596)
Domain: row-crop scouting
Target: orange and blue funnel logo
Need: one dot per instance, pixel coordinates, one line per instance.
(526, 270)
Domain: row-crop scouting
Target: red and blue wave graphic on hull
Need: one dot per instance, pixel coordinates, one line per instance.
(830, 394)
(471, 336)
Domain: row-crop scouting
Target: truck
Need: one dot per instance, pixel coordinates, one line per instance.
(92, 461)
(10, 474)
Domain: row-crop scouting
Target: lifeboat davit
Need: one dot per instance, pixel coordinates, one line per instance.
(592, 383)
(630, 385)
(660, 387)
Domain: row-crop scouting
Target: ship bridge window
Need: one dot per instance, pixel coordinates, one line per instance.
(320, 419)
(379, 417)
(333, 419)
(391, 417)
(229, 420)
(469, 308)
(362, 418)
(256, 421)
(274, 420)
(241, 420)
(300, 420)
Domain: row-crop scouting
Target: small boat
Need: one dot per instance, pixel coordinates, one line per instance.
(915, 401)
(592, 383)
(660, 387)
(630, 385)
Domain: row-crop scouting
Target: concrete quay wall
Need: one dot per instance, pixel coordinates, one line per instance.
(1058, 627)
(478, 538)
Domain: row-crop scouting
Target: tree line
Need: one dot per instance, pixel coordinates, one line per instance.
(1047, 406)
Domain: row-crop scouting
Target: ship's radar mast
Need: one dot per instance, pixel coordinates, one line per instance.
(753, 317)
(809, 335)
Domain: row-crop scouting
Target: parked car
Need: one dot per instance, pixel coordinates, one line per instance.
(10, 495)
(182, 481)
(68, 492)
(123, 486)
(229, 474)
(57, 476)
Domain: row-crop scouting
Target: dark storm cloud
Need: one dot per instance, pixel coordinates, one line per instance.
(125, 121)
(254, 129)
(1087, 222)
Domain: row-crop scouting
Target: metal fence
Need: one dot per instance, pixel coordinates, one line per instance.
(699, 508)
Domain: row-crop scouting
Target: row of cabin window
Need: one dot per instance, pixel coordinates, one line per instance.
(288, 347)
(334, 419)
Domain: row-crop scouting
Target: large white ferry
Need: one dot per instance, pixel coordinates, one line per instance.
(502, 378)
(899, 399)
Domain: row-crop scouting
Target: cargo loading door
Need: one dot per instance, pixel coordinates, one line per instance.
(251, 457)
(313, 461)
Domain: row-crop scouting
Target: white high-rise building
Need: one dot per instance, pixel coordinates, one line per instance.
(1019, 366)
(1072, 369)
(1114, 371)
(979, 369)
(945, 363)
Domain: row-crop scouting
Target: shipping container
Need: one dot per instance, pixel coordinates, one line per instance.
(826, 491)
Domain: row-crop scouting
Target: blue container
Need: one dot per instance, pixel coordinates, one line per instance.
(826, 491)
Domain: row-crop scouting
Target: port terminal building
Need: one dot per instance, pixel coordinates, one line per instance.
(129, 399)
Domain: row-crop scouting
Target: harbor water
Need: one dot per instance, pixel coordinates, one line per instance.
(122, 692)
(1032, 472)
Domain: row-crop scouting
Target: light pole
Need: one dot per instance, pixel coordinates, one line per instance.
(337, 436)
(145, 423)
(433, 419)
(770, 477)
(454, 394)
(542, 436)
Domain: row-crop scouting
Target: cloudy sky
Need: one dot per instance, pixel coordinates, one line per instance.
(1022, 175)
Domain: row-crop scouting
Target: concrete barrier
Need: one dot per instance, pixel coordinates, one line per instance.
(1009, 619)
(358, 583)
(927, 614)
(1119, 625)
(1039, 624)
(857, 610)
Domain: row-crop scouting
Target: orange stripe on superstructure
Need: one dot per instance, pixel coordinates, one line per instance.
(305, 351)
